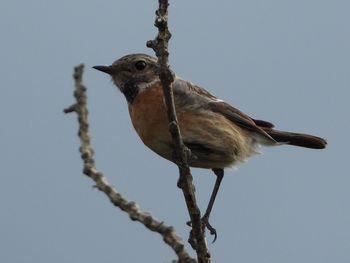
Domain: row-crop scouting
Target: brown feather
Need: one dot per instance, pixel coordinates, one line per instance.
(240, 119)
(263, 124)
(298, 139)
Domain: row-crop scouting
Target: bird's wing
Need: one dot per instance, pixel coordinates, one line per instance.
(191, 95)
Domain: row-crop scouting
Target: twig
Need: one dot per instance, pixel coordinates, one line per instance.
(168, 233)
(181, 152)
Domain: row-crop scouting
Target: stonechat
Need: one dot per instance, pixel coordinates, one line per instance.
(218, 135)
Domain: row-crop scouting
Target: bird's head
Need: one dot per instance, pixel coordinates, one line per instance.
(134, 71)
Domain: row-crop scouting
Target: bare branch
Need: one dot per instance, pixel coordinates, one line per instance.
(181, 153)
(168, 233)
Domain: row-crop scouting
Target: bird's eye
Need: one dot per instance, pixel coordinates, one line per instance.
(140, 65)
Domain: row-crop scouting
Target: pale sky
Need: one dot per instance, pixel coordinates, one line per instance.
(283, 61)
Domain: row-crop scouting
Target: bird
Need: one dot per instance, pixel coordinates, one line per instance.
(218, 135)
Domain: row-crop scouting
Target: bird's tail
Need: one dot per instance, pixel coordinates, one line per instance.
(297, 139)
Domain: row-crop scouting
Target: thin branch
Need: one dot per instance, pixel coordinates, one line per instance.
(181, 153)
(168, 233)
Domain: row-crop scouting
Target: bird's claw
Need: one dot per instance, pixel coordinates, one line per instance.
(212, 230)
(205, 222)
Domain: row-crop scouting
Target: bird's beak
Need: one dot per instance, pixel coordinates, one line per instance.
(106, 69)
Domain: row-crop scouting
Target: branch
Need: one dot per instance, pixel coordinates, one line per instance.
(168, 233)
(181, 153)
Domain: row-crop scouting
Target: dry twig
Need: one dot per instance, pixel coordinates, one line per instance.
(168, 233)
(181, 152)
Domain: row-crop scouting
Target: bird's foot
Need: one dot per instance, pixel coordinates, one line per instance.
(206, 224)
(212, 230)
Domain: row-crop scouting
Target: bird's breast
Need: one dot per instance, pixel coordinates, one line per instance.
(148, 115)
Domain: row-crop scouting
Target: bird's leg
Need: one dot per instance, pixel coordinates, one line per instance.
(219, 172)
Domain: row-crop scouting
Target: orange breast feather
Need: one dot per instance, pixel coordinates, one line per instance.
(148, 115)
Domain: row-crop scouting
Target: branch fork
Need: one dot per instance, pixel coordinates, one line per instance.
(168, 233)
